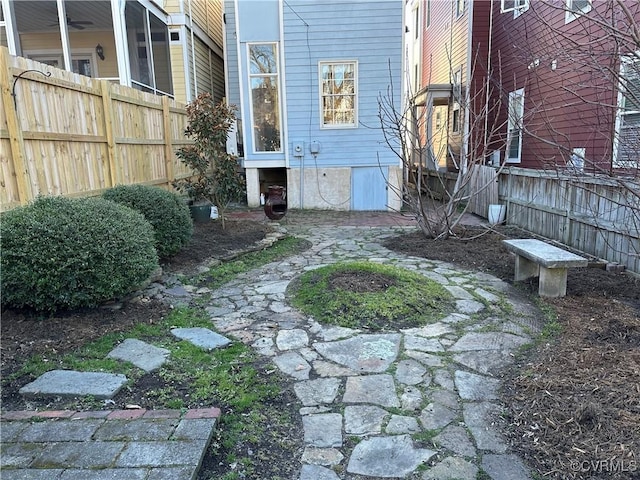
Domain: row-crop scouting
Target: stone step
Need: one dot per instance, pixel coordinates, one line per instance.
(70, 383)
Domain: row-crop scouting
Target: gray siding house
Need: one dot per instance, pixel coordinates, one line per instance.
(306, 76)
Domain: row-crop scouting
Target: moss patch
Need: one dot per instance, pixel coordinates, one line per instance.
(370, 296)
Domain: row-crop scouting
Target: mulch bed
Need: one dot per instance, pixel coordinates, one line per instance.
(572, 403)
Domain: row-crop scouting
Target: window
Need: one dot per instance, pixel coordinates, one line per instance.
(416, 21)
(81, 64)
(456, 82)
(457, 99)
(455, 119)
(575, 8)
(265, 98)
(518, 7)
(428, 14)
(460, 6)
(514, 126)
(148, 50)
(627, 139)
(338, 94)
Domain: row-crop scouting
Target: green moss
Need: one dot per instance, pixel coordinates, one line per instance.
(410, 299)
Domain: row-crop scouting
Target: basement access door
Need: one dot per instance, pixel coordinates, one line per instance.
(369, 188)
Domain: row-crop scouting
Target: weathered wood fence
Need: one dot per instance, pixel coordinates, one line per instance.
(598, 216)
(483, 187)
(70, 135)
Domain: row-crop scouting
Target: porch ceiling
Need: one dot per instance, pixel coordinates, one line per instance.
(438, 92)
(38, 16)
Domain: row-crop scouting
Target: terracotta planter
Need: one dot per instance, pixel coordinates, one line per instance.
(276, 205)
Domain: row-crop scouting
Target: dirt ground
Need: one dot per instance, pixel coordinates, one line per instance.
(572, 402)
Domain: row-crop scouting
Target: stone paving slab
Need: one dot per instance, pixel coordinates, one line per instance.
(109, 445)
(69, 383)
(201, 337)
(142, 354)
(393, 456)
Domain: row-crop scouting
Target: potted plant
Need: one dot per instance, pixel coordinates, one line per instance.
(215, 179)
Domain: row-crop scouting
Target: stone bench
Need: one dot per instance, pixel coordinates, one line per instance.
(535, 258)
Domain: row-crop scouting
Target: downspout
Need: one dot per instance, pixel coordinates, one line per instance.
(185, 53)
(489, 74)
(284, 124)
(240, 80)
(193, 54)
(467, 113)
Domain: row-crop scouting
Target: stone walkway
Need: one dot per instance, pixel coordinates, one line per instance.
(379, 391)
(367, 397)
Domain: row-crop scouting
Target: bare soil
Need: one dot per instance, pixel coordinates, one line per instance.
(572, 402)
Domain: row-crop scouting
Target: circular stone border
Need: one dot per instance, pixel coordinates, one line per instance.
(409, 300)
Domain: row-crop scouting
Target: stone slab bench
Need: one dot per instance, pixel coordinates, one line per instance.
(535, 258)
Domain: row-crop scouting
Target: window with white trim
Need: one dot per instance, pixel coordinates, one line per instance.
(338, 94)
(576, 8)
(456, 82)
(82, 64)
(627, 139)
(518, 7)
(265, 97)
(514, 126)
(460, 6)
(428, 14)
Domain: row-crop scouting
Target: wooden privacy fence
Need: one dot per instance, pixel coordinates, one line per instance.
(75, 136)
(483, 188)
(598, 216)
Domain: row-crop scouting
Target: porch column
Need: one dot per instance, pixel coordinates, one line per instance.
(253, 187)
(120, 37)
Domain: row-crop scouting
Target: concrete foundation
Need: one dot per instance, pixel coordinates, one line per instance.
(322, 188)
(394, 190)
(253, 187)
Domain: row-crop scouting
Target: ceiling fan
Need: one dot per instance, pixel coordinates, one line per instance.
(77, 24)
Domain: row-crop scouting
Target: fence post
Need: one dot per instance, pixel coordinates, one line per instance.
(108, 130)
(16, 140)
(168, 150)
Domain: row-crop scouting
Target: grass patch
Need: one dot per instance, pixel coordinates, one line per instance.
(222, 376)
(220, 274)
(409, 300)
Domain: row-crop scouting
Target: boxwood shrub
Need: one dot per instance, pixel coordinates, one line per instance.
(62, 253)
(164, 210)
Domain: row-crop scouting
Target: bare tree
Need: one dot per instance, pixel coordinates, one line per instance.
(436, 198)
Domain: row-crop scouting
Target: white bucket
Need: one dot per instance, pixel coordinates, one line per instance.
(497, 214)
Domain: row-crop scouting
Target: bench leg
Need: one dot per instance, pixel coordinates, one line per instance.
(553, 282)
(525, 268)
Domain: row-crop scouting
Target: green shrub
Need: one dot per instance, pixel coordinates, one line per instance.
(61, 253)
(164, 210)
